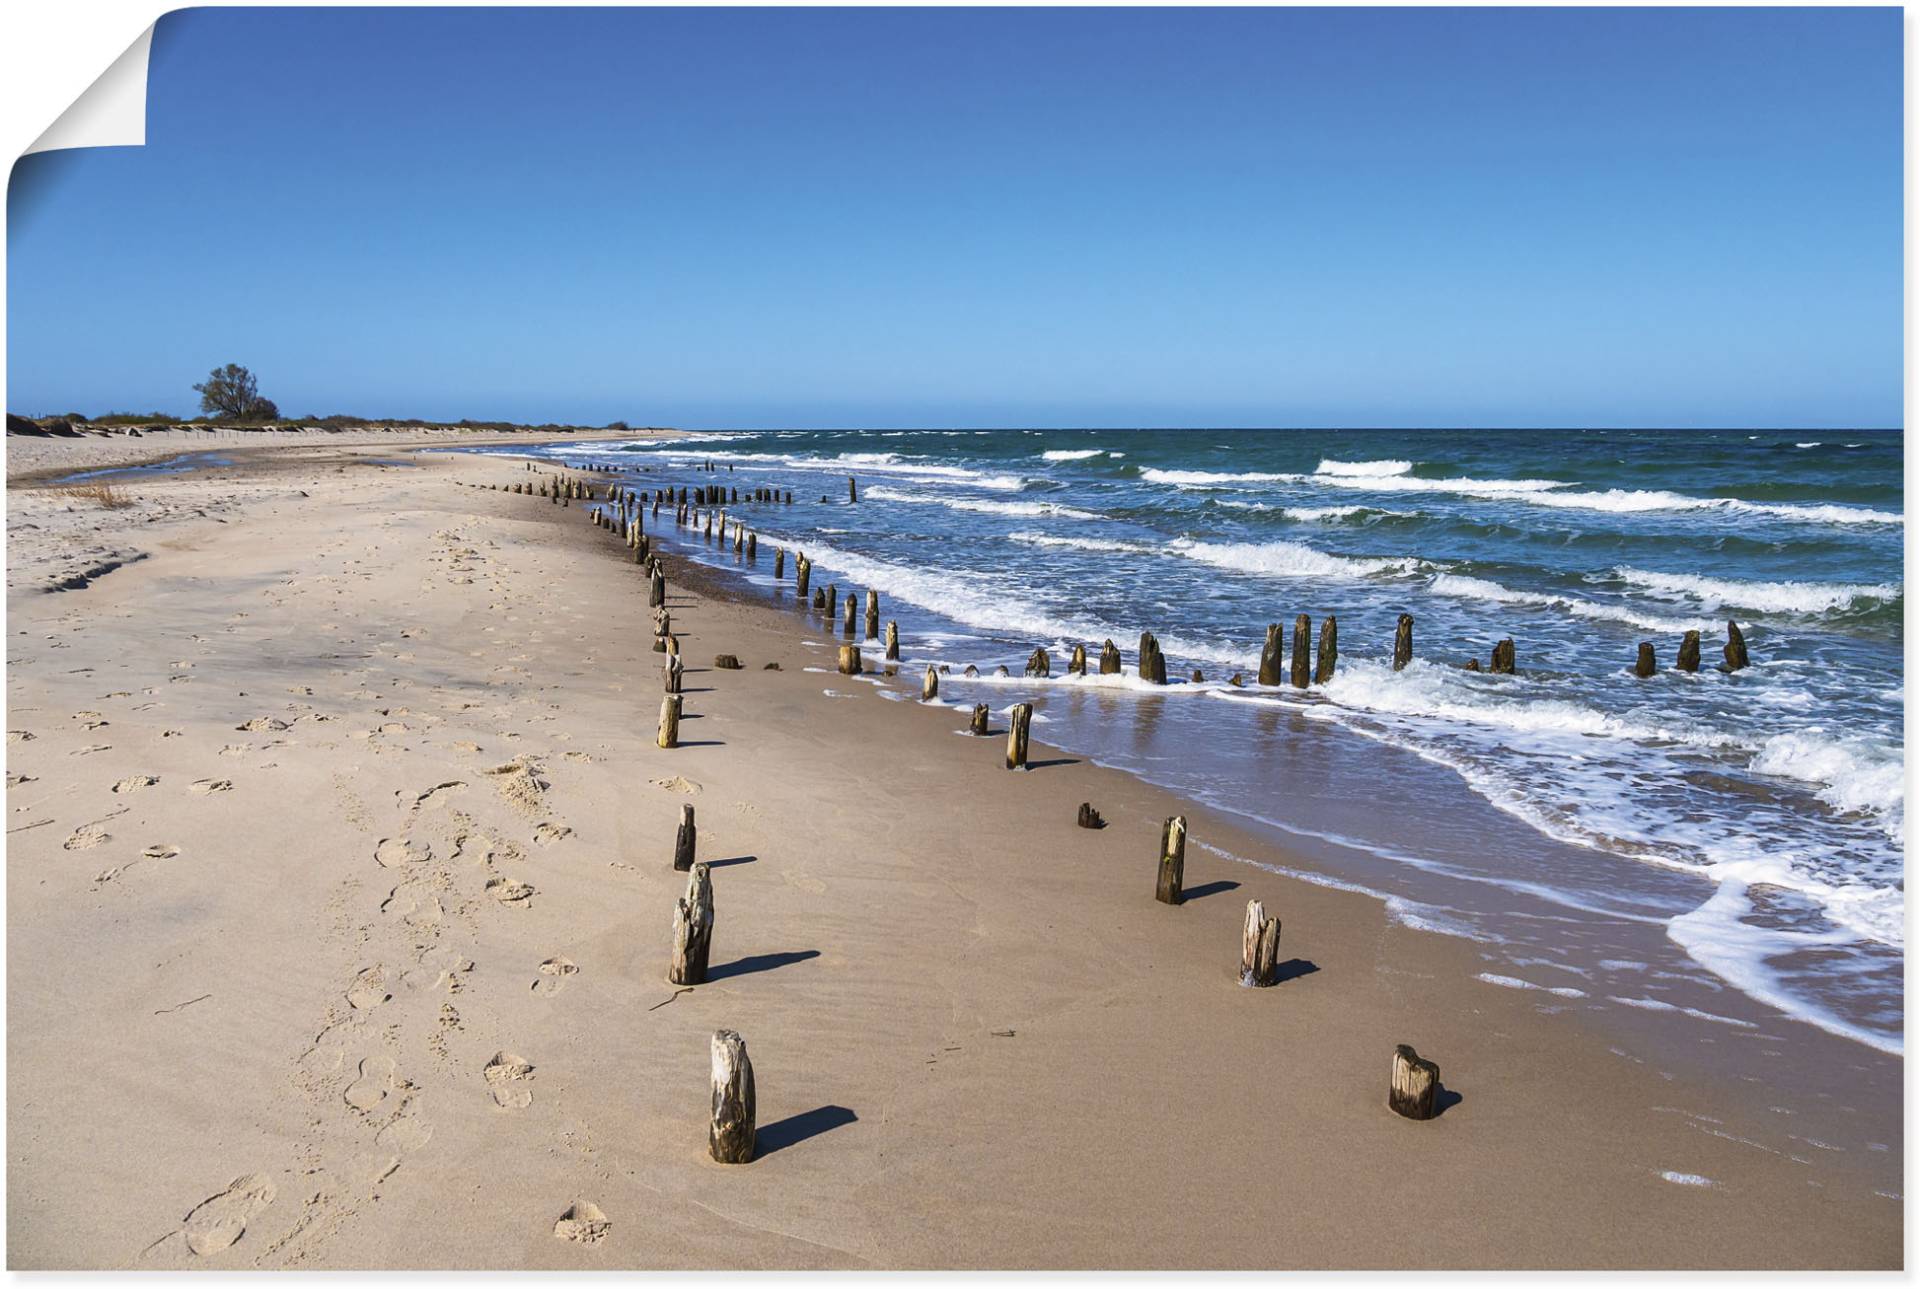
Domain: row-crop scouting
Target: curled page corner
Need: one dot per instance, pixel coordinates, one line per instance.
(112, 112)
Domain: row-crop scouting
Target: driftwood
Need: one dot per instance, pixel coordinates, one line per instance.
(1302, 668)
(1259, 948)
(670, 721)
(730, 1132)
(979, 723)
(1270, 655)
(1415, 1084)
(692, 930)
(1173, 859)
(1329, 651)
(1022, 717)
(1403, 641)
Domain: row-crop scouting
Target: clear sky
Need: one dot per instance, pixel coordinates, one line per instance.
(1035, 217)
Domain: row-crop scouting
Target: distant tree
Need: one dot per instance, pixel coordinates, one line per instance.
(618, 427)
(232, 393)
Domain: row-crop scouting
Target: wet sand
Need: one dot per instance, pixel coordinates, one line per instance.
(339, 905)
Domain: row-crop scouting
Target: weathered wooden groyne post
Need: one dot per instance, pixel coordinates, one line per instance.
(1088, 817)
(893, 642)
(1153, 663)
(779, 563)
(1736, 649)
(1302, 669)
(1644, 664)
(673, 674)
(1403, 641)
(657, 590)
(670, 721)
(930, 684)
(685, 839)
(1259, 948)
(1270, 655)
(1019, 720)
(1329, 651)
(1077, 664)
(853, 493)
(753, 548)
(1040, 663)
(1173, 859)
(1503, 658)
(802, 573)
(833, 604)
(1689, 659)
(853, 605)
(1109, 659)
(692, 930)
(1414, 1084)
(730, 1132)
(850, 660)
(978, 725)
(873, 614)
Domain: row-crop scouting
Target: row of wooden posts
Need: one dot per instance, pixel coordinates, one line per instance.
(1413, 1081)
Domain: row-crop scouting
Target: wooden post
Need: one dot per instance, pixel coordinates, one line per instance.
(1089, 817)
(979, 724)
(684, 840)
(730, 1134)
(1077, 664)
(1040, 663)
(873, 614)
(853, 604)
(1644, 664)
(1329, 651)
(1109, 659)
(930, 686)
(1259, 948)
(673, 674)
(1302, 668)
(1502, 664)
(893, 642)
(833, 603)
(1153, 663)
(657, 591)
(670, 721)
(1415, 1083)
(1736, 649)
(802, 572)
(849, 660)
(1270, 655)
(779, 562)
(692, 930)
(1689, 659)
(1403, 641)
(753, 546)
(1173, 859)
(853, 493)
(1017, 736)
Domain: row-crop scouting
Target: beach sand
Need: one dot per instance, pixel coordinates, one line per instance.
(339, 904)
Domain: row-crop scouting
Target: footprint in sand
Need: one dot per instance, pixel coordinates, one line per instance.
(548, 834)
(260, 724)
(206, 787)
(19, 736)
(553, 975)
(373, 1085)
(408, 1131)
(217, 1222)
(584, 1223)
(505, 1075)
(86, 837)
(509, 892)
(677, 784)
(369, 989)
(415, 904)
(136, 782)
(395, 852)
(15, 780)
(435, 797)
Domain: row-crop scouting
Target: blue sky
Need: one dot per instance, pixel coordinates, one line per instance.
(1026, 217)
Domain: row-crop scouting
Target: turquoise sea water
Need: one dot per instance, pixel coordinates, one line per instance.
(1752, 821)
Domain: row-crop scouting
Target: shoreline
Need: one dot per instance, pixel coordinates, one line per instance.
(890, 928)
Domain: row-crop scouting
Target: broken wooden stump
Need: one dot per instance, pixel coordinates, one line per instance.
(1040, 663)
(979, 723)
(1643, 663)
(1689, 659)
(730, 1132)
(1736, 649)
(930, 684)
(1173, 859)
(673, 674)
(1302, 669)
(853, 603)
(1403, 641)
(684, 840)
(833, 603)
(849, 660)
(1415, 1084)
(1089, 817)
(657, 590)
(1502, 664)
(726, 662)
(1329, 651)
(802, 571)
(893, 641)
(1270, 655)
(1077, 664)
(1198, 677)
(670, 721)
(1259, 948)
(692, 930)
(1020, 719)
(873, 614)
(1109, 659)
(1153, 663)
(779, 562)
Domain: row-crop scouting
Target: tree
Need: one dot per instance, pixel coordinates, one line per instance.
(232, 392)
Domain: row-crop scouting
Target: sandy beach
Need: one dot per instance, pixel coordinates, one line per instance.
(340, 894)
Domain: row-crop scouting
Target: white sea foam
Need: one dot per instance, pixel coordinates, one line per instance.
(1656, 1005)
(1514, 982)
(1363, 469)
(1765, 597)
(984, 506)
(1686, 1179)
(1287, 559)
(1071, 454)
(1854, 773)
(1107, 544)
(1203, 478)
(1461, 586)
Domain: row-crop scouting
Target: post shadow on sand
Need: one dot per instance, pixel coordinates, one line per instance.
(1293, 969)
(759, 962)
(737, 859)
(1058, 760)
(699, 742)
(1208, 888)
(796, 1128)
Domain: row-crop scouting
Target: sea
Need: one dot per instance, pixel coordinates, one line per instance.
(1721, 846)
